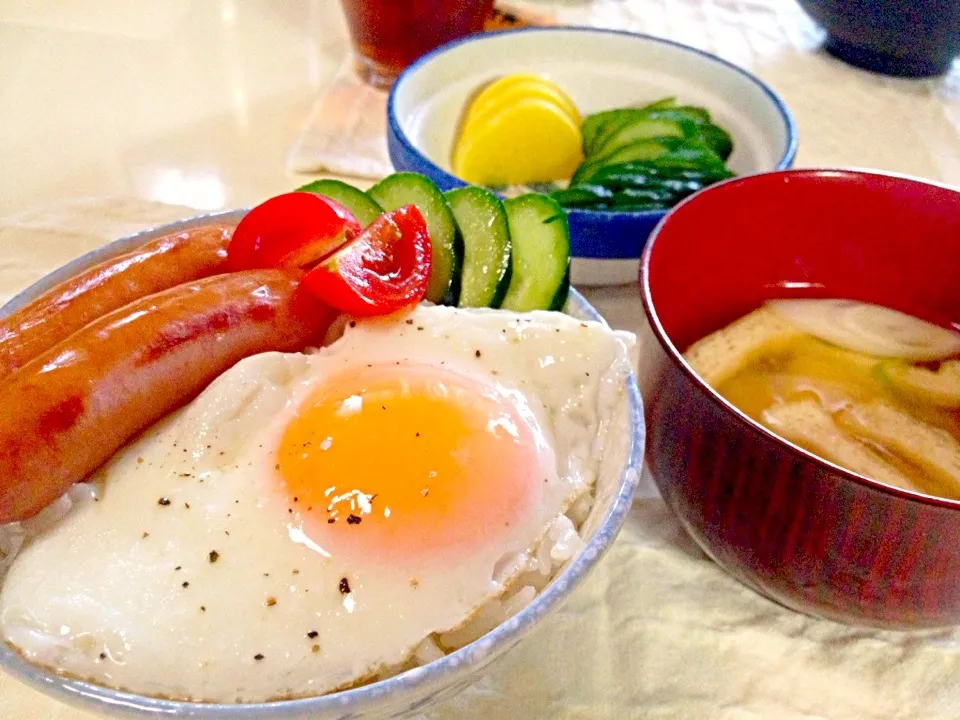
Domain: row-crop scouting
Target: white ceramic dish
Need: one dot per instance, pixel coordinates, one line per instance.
(396, 697)
(600, 69)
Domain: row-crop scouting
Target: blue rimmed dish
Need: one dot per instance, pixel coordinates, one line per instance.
(599, 69)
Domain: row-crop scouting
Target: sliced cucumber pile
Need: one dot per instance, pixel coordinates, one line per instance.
(407, 188)
(486, 253)
(647, 158)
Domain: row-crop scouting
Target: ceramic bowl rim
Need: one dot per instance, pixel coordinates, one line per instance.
(393, 122)
(727, 409)
(460, 662)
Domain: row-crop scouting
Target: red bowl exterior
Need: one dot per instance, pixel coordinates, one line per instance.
(800, 530)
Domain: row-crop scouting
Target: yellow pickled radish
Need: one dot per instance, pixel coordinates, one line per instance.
(529, 141)
(517, 87)
(504, 83)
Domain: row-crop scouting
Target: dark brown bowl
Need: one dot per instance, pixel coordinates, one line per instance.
(910, 38)
(795, 528)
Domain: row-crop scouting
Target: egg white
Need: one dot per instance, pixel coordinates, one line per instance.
(186, 575)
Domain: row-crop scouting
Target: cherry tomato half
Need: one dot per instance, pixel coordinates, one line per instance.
(385, 269)
(293, 230)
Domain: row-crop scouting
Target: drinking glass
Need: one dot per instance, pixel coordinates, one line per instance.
(388, 35)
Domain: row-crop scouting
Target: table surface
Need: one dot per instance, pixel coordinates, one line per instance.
(169, 106)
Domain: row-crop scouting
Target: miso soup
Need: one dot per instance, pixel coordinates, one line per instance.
(868, 388)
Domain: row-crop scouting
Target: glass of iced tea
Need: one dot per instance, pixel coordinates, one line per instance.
(388, 35)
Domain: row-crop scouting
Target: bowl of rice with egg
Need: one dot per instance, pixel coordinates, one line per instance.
(168, 583)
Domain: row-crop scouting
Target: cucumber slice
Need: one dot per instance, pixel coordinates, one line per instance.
(583, 196)
(613, 123)
(664, 168)
(560, 298)
(718, 139)
(662, 153)
(364, 208)
(486, 246)
(689, 112)
(645, 127)
(594, 125)
(406, 188)
(541, 254)
(601, 122)
(667, 102)
(649, 149)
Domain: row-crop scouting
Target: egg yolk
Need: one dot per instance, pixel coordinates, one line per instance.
(409, 461)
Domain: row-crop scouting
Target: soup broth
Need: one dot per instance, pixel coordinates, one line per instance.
(889, 417)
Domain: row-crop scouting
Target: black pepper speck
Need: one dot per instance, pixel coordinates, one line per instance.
(163, 501)
(344, 586)
(313, 634)
(214, 556)
(185, 584)
(353, 519)
(258, 657)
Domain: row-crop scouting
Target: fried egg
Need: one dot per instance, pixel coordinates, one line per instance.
(310, 520)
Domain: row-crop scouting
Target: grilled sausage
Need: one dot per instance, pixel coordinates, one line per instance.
(66, 412)
(157, 265)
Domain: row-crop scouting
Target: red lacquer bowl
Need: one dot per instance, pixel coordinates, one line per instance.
(800, 530)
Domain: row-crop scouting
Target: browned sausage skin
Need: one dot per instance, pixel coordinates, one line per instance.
(154, 266)
(66, 412)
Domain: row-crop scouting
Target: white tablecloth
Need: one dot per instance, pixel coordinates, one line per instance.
(658, 631)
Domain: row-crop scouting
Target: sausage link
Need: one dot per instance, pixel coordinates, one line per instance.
(61, 311)
(66, 412)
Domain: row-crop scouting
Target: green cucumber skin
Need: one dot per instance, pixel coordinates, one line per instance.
(718, 139)
(647, 157)
(661, 152)
(596, 125)
(560, 299)
(363, 207)
(541, 253)
(645, 128)
(646, 150)
(482, 221)
(582, 195)
(405, 188)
